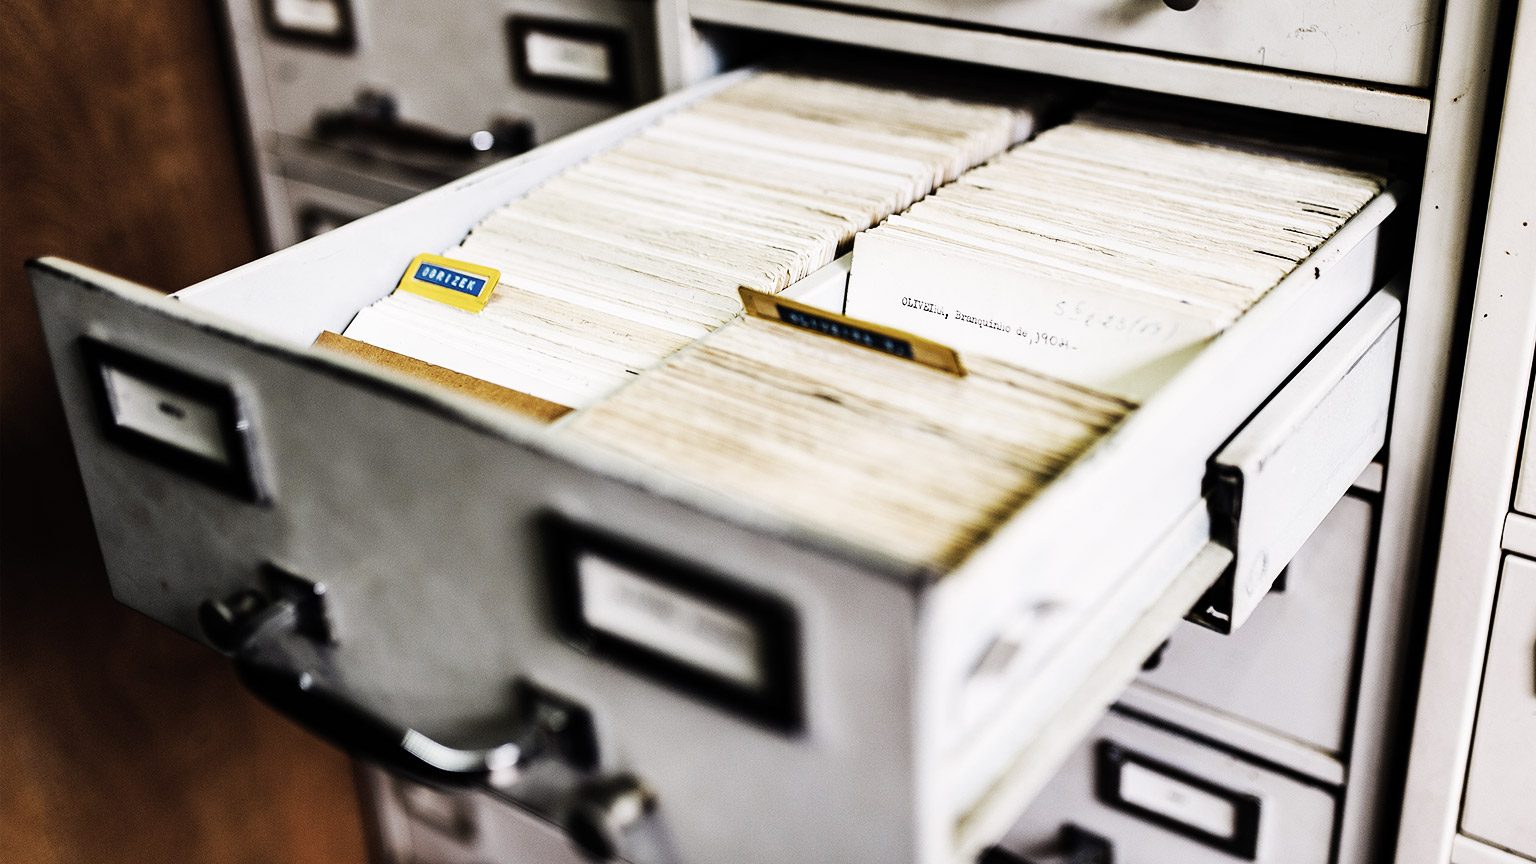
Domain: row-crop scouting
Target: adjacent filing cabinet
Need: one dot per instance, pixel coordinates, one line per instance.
(1471, 788)
(354, 95)
(435, 637)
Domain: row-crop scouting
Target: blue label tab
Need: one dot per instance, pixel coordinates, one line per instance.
(451, 279)
(460, 284)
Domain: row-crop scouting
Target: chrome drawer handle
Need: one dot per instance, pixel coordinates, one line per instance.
(373, 123)
(282, 646)
(294, 673)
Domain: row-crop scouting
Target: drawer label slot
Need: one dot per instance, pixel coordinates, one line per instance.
(726, 643)
(1179, 801)
(179, 421)
(573, 57)
(1155, 791)
(628, 605)
(322, 23)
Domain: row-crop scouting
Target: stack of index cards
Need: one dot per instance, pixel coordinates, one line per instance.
(618, 263)
(1105, 251)
(919, 463)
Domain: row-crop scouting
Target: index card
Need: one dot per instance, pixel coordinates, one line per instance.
(1090, 335)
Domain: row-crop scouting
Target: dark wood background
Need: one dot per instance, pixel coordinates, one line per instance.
(121, 741)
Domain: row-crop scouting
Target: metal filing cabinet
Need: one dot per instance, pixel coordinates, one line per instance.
(436, 638)
(352, 106)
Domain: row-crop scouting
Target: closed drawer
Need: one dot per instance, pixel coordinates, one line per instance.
(427, 518)
(1385, 41)
(1157, 796)
(1501, 776)
(1289, 669)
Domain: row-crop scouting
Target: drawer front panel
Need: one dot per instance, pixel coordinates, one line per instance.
(1501, 777)
(1385, 41)
(1289, 668)
(1157, 796)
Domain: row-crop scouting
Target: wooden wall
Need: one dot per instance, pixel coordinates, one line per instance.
(121, 741)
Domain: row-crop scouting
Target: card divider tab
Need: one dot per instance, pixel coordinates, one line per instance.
(897, 343)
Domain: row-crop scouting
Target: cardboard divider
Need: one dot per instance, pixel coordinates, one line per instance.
(522, 403)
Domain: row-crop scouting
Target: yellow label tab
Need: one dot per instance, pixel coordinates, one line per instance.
(876, 337)
(457, 283)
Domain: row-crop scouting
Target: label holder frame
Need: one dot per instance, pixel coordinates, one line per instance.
(238, 478)
(1111, 758)
(620, 89)
(344, 40)
(777, 704)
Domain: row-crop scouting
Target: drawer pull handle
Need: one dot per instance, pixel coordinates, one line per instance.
(294, 673)
(284, 653)
(1180, 5)
(373, 124)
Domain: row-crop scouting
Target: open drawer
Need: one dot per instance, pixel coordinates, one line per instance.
(389, 559)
